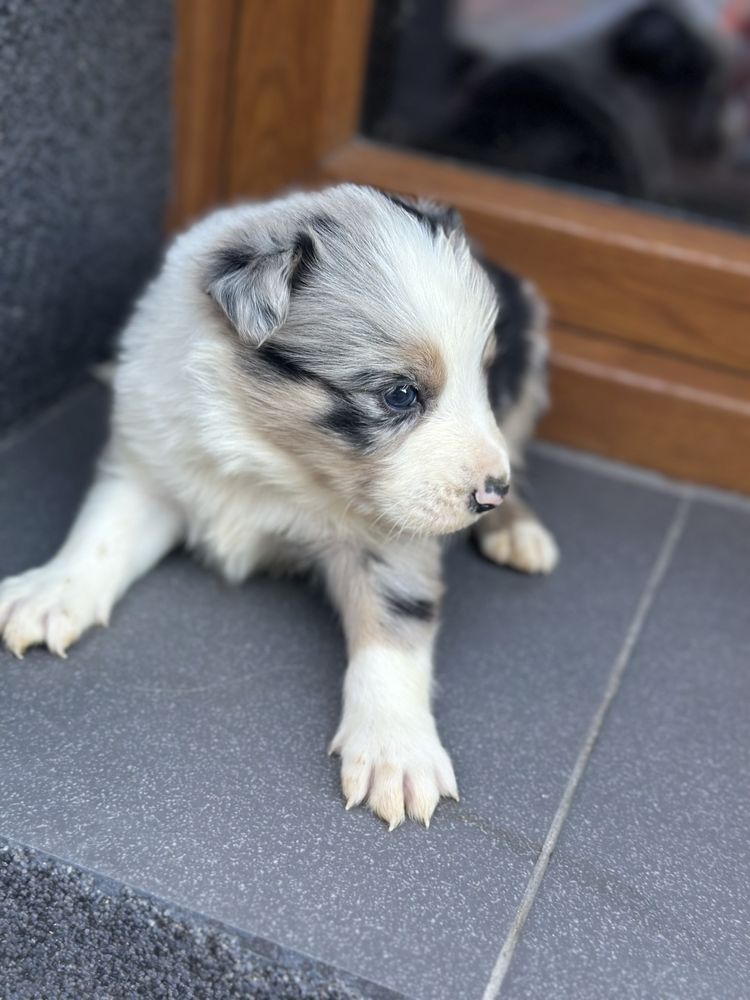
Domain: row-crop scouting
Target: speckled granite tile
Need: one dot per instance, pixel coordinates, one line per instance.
(182, 750)
(648, 894)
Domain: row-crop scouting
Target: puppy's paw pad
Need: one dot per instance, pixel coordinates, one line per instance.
(398, 770)
(525, 545)
(45, 606)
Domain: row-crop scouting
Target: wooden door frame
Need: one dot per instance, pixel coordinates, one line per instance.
(651, 315)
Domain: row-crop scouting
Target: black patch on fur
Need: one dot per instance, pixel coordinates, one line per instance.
(412, 209)
(360, 428)
(284, 365)
(410, 607)
(305, 260)
(430, 214)
(513, 331)
(349, 422)
(346, 418)
(325, 226)
(277, 359)
(230, 260)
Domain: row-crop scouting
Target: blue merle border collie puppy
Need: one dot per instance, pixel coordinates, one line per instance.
(317, 381)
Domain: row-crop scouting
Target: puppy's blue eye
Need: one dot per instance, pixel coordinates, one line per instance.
(401, 397)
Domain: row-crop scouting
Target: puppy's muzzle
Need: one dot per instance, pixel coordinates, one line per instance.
(491, 495)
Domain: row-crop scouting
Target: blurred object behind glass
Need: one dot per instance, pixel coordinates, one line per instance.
(645, 100)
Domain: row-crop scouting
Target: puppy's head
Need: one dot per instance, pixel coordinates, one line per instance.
(364, 328)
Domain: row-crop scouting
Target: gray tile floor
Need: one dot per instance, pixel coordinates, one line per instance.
(598, 721)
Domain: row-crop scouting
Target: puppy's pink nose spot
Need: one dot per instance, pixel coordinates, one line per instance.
(491, 495)
(485, 499)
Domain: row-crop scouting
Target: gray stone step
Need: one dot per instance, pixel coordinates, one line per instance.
(168, 785)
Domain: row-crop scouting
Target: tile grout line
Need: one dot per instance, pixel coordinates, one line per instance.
(659, 569)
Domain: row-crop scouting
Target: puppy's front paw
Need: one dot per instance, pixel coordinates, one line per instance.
(525, 545)
(396, 765)
(46, 606)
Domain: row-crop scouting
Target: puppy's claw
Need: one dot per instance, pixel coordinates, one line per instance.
(58, 650)
(353, 801)
(17, 640)
(355, 781)
(17, 651)
(61, 633)
(447, 785)
(421, 795)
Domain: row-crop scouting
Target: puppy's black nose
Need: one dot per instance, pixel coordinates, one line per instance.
(491, 495)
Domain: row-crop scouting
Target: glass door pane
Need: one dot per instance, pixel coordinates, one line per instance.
(642, 100)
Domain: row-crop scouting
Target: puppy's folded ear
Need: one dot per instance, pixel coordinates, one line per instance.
(253, 287)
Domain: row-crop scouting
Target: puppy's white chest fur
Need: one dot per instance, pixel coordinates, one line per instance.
(245, 523)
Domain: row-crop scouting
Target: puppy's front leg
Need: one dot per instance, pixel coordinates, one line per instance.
(391, 754)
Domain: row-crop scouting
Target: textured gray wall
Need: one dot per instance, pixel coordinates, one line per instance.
(84, 166)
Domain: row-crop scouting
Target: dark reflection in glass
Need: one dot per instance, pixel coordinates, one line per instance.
(650, 100)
